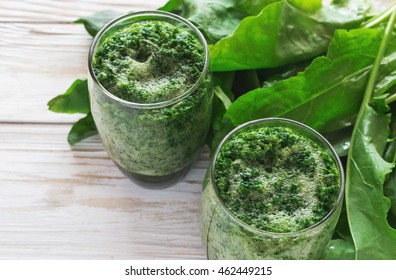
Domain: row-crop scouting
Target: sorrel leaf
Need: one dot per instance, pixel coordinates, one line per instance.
(74, 100)
(82, 129)
(367, 207)
(366, 172)
(215, 18)
(95, 22)
(326, 96)
(285, 32)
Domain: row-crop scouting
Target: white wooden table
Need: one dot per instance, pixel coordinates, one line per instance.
(63, 202)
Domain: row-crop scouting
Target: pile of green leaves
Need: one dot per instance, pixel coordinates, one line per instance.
(330, 66)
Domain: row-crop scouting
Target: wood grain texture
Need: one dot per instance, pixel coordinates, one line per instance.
(63, 203)
(58, 202)
(38, 62)
(66, 10)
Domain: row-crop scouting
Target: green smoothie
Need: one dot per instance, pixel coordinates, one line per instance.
(149, 62)
(152, 101)
(276, 180)
(271, 189)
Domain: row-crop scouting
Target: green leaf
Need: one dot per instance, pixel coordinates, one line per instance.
(385, 84)
(308, 6)
(366, 205)
(340, 140)
(285, 32)
(326, 96)
(221, 101)
(342, 229)
(270, 76)
(339, 249)
(390, 156)
(254, 7)
(223, 97)
(215, 18)
(74, 100)
(390, 193)
(224, 79)
(95, 22)
(82, 129)
(171, 5)
(390, 150)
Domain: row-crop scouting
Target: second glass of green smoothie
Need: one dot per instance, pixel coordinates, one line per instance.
(273, 190)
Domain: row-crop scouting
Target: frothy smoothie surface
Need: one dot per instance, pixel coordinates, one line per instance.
(275, 179)
(149, 62)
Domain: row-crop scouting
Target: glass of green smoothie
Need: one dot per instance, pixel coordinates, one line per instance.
(274, 190)
(151, 94)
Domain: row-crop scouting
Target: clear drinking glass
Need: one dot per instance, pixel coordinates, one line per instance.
(153, 143)
(227, 237)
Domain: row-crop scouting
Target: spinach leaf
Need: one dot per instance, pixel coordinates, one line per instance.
(366, 205)
(222, 99)
(342, 229)
(269, 76)
(326, 96)
(390, 156)
(82, 129)
(171, 6)
(215, 18)
(254, 7)
(342, 246)
(285, 32)
(74, 100)
(340, 140)
(390, 192)
(95, 22)
(340, 249)
(225, 100)
(390, 150)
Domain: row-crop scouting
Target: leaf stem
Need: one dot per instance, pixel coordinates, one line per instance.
(223, 97)
(381, 51)
(380, 17)
(390, 99)
(366, 99)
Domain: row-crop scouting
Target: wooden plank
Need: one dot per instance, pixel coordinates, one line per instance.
(39, 61)
(66, 11)
(63, 203)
